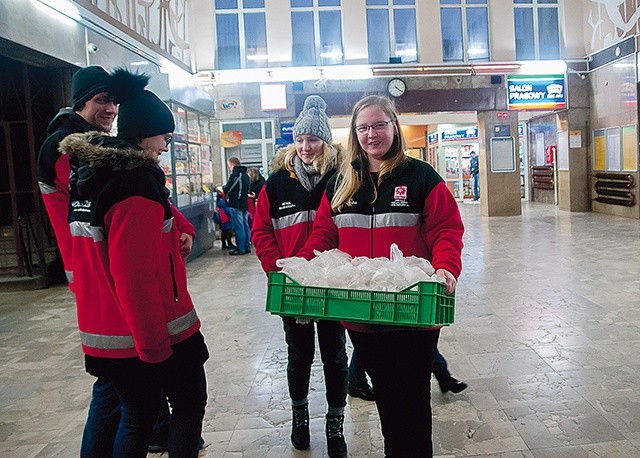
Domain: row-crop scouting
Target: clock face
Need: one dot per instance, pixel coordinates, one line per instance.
(396, 87)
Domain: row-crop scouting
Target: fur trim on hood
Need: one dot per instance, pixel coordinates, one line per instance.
(97, 149)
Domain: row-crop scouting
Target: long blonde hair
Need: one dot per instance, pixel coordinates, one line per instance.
(354, 169)
(322, 163)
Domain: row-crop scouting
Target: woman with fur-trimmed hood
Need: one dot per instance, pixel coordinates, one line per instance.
(283, 221)
(138, 325)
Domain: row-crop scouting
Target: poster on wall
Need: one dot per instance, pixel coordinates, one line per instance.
(613, 148)
(629, 148)
(599, 150)
(563, 150)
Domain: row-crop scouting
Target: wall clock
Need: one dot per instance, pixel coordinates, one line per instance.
(396, 87)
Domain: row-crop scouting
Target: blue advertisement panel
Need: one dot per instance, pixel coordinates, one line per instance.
(286, 131)
(536, 92)
(459, 134)
(432, 138)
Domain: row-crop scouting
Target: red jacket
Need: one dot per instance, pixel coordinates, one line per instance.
(414, 209)
(284, 217)
(130, 281)
(53, 179)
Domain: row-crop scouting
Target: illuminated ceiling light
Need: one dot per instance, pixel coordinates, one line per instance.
(63, 10)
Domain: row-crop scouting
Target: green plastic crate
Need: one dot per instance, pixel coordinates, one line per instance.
(423, 304)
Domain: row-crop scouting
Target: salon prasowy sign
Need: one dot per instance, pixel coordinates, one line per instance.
(547, 92)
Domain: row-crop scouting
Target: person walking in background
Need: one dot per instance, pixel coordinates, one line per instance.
(475, 174)
(445, 380)
(142, 335)
(256, 183)
(236, 192)
(379, 197)
(284, 217)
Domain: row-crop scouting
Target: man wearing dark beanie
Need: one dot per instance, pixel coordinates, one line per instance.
(92, 109)
(138, 325)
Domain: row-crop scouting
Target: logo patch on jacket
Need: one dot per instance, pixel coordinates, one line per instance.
(286, 205)
(400, 193)
(400, 197)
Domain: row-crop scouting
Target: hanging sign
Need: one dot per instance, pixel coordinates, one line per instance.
(459, 134)
(537, 92)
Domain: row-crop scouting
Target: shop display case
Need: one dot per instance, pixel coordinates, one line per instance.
(188, 166)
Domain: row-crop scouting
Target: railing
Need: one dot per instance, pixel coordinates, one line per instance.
(615, 189)
(543, 177)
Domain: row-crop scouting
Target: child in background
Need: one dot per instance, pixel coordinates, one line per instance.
(222, 217)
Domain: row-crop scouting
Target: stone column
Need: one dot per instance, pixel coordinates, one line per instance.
(573, 184)
(499, 191)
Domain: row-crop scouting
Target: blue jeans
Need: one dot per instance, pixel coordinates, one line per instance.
(476, 186)
(102, 421)
(142, 387)
(240, 221)
(300, 340)
(440, 368)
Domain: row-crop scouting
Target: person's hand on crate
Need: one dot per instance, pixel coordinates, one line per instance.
(450, 280)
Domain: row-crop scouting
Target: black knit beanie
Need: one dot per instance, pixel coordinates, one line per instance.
(86, 83)
(141, 114)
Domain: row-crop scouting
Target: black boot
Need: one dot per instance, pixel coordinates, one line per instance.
(300, 427)
(336, 446)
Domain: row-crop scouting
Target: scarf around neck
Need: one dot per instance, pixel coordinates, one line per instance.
(306, 173)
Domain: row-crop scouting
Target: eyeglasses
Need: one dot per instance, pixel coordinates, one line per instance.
(167, 139)
(379, 126)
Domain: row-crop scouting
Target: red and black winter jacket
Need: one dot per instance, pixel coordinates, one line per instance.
(53, 179)
(130, 281)
(414, 209)
(284, 217)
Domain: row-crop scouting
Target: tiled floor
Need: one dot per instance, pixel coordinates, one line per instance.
(547, 335)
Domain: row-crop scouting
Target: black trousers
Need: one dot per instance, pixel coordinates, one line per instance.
(300, 340)
(399, 364)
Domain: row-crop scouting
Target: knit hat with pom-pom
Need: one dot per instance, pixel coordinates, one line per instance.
(141, 114)
(313, 120)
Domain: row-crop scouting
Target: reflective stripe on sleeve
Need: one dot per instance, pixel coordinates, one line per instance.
(107, 342)
(125, 342)
(183, 323)
(84, 229)
(293, 219)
